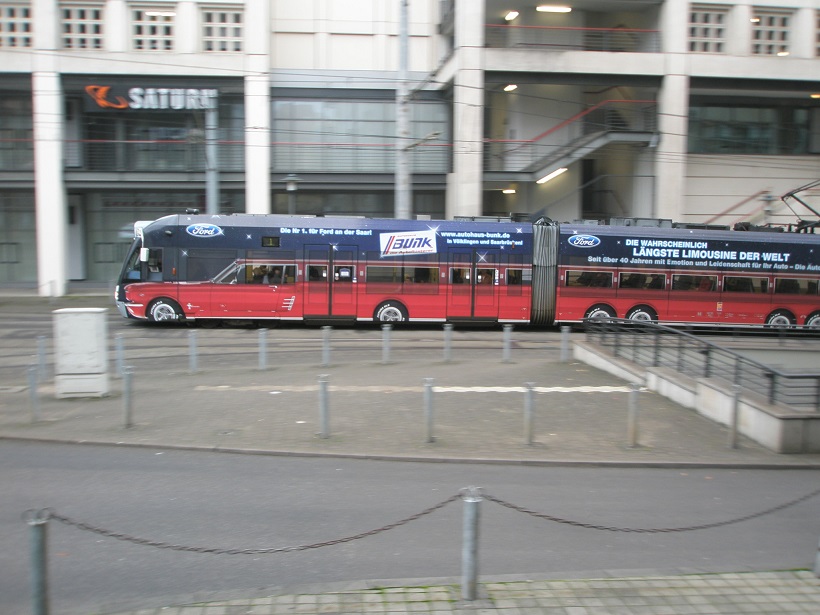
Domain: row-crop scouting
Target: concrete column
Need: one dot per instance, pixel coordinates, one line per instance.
(739, 30)
(49, 190)
(673, 111)
(116, 24)
(805, 28)
(257, 107)
(464, 185)
(186, 27)
(50, 204)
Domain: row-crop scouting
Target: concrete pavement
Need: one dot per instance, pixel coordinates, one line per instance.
(378, 411)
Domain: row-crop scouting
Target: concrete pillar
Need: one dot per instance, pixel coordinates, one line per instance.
(116, 33)
(805, 30)
(186, 27)
(464, 184)
(257, 107)
(739, 30)
(673, 112)
(50, 204)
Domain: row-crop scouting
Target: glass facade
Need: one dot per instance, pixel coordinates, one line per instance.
(354, 136)
(749, 130)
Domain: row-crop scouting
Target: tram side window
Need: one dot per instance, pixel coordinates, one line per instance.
(594, 279)
(485, 276)
(384, 275)
(795, 286)
(734, 284)
(519, 277)
(642, 281)
(317, 273)
(202, 265)
(702, 283)
(459, 275)
(269, 273)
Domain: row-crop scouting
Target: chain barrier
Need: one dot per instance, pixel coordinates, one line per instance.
(45, 514)
(691, 528)
(175, 547)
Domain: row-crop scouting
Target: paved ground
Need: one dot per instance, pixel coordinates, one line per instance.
(377, 410)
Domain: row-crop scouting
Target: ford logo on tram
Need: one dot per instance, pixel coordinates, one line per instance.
(203, 230)
(584, 241)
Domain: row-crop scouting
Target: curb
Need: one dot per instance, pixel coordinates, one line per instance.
(683, 465)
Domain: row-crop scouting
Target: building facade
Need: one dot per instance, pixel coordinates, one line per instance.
(122, 110)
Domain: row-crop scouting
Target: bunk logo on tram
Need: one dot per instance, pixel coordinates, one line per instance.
(411, 242)
(204, 230)
(584, 241)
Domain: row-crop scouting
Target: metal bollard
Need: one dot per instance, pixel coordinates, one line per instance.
(505, 357)
(38, 522)
(565, 331)
(119, 354)
(632, 420)
(448, 341)
(127, 397)
(192, 351)
(263, 349)
(324, 428)
(41, 358)
(386, 329)
(817, 562)
(428, 409)
(326, 345)
(469, 546)
(733, 419)
(528, 412)
(33, 393)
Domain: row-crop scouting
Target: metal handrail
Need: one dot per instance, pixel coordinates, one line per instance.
(655, 345)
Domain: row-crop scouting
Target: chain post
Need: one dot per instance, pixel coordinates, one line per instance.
(817, 562)
(565, 343)
(733, 419)
(528, 412)
(192, 352)
(41, 358)
(505, 355)
(448, 341)
(386, 329)
(263, 350)
(127, 396)
(428, 409)
(119, 355)
(632, 420)
(38, 522)
(469, 546)
(326, 345)
(324, 428)
(33, 393)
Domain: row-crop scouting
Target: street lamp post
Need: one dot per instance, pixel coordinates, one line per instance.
(291, 186)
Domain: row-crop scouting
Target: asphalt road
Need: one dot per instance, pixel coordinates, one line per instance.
(219, 500)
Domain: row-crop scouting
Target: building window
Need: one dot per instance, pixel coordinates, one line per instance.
(749, 130)
(707, 30)
(15, 25)
(818, 34)
(82, 26)
(770, 33)
(153, 29)
(222, 30)
(341, 136)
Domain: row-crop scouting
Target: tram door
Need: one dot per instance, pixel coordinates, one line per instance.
(330, 280)
(473, 288)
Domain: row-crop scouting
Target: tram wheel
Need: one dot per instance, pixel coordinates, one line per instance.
(781, 319)
(390, 311)
(600, 311)
(642, 313)
(164, 310)
(813, 321)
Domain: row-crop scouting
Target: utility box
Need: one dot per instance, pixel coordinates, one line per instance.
(81, 352)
